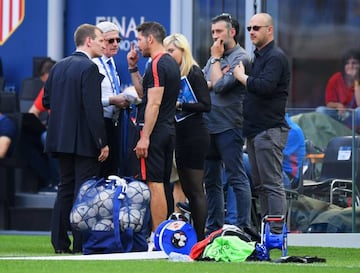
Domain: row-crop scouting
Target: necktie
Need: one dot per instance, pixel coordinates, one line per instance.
(123, 145)
(114, 77)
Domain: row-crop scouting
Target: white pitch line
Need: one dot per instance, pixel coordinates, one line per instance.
(94, 257)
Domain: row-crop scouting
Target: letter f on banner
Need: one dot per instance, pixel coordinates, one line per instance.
(12, 14)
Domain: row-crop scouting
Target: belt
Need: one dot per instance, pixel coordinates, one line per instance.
(140, 124)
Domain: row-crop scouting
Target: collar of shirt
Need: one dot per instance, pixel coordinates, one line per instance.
(264, 49)
(103, 60)
(231, 50)
(82, 51)
(106, 59)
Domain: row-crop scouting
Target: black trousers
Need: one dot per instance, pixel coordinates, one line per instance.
(74, 170)
(111, 165)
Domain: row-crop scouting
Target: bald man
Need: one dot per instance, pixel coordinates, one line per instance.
(265, 126)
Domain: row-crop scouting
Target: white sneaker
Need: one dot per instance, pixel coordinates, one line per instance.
(151, 245)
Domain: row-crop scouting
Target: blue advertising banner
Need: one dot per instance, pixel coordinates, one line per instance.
(126, 14)
(26, 37)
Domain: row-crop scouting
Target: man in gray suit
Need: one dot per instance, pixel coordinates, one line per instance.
(76, 130)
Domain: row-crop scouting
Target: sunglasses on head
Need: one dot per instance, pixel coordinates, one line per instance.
(255, 28)
(223, 16)
(112, 40)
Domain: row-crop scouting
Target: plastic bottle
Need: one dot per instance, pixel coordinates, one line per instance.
(178, 257)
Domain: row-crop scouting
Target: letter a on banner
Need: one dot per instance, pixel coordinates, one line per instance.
(12, 14)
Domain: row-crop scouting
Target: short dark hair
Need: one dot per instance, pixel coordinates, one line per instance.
(349, 54)
(45, 66)
(231, 22)
(236, 26)
(222, 17)
(152, 28)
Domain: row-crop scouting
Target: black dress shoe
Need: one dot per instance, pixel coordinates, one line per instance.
(63, 251)
(76, 251)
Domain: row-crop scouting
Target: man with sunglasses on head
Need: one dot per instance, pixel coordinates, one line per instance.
(110, 91)
(265, 126)
(225, 121)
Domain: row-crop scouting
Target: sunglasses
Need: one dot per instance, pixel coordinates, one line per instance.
(112, 40)
(255, 28)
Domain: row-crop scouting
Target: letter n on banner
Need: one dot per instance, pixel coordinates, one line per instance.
(12, 14)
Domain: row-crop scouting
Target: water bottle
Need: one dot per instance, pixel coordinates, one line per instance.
(178, 257)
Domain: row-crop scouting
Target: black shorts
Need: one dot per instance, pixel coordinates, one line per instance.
(160, 156)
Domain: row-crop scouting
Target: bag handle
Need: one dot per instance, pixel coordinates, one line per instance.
(127, 237)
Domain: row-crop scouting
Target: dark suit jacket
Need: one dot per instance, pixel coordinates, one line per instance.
(73, 94)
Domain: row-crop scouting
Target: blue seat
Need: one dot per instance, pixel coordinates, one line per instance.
(30, 88)
(9, 102)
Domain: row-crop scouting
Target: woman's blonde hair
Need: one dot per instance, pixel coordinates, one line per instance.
(180, 41)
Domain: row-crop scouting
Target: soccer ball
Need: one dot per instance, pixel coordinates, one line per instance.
(96, 212)
(138, 193)
(103, 225)
(106, 209)
(137, 200)
(104, 201)
(77, 214)
(85, 186)
(131, 219)
(97, 205)
(83, 216)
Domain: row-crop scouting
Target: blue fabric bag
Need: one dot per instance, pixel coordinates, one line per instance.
(112, 214)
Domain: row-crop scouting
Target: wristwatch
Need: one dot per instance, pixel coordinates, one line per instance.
(214, 60)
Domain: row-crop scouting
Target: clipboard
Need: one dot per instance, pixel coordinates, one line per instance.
(186, 95)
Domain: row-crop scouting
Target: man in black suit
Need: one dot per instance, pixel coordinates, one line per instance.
(76, 131)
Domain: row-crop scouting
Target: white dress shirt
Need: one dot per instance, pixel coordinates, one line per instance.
(107, 86)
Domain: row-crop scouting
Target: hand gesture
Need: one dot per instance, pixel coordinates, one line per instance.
(120, 101)
(217, 49)
(132, 56)
(239, 70)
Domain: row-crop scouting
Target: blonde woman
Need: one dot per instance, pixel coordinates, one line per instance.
(192, 138)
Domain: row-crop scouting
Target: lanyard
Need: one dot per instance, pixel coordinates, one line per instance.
(108, 75)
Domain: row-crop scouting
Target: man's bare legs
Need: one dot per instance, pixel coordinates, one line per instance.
(158, 205)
